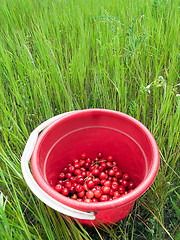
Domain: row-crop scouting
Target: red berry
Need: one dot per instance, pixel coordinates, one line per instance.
(116, 194)
(77, 165)
(111, 172)
(103, 175)
(103, 164)
(80, 180)
(68, 175)
(74, 196)
(77, 171)
(75, 160)
(65, 170)
(88, 160)
(97, 181)
(72, 189)
(71, 169)
(119, 174)
(110, 158)
(90, 184)
(126, 177)
(115, 168)
(60, 182)
(67, 184)
(83, 156)
(91, 168)
(124, 183)
(104, 198)
(81, 163)
(103, 181)
(111, 192)
(87, 200)
(101, 168)
(78, 188)
(62, 176)
(99, 155)
(58, 187)
(115, 186)
(65, 191)
(95, 172)
(90, 194)
(94, 200)
(84, 174)
(79, 200)
(72, 179)
(109, 165)
(97, 193)
(107, 183)
(105, 189)
(131, 185)
(87, 165)
(121, 189)
(81, 194)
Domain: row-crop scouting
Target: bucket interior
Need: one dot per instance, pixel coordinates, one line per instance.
(94, 132)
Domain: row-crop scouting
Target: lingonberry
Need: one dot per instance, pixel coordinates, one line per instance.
(77, 171)
(87, 200)
(91, 168)
(99, 155)
(97, 181)
(81, 194)
(67, 184)
(72, 189)
(74, 196)
(77, 165)
(126, 177)
(111, 192)
(75, 160)
(60, 182)
(121, 189)
(105, 189)
(115, 168)
(65, 170)
(83, 156)
(124, 183)
(119, 174)
(80, 180)
(95, 172)
(68, 175)
(107, 183)
(97, 193)
(101, 168)
(109, 165)
(104, 198)
(90, 194)
(94, 200)
(90, 184)
(61, 176)
(116, 194)
(65, 191)
(81, 163)
(103, 175)
(71, 169)
(110, 158)
(58, 187)
(131, 185)
(115, 186)
(78, 188)
(111, 172)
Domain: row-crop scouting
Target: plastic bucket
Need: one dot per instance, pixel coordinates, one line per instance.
(93, 130)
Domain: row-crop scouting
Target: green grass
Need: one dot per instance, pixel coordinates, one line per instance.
(57, 56)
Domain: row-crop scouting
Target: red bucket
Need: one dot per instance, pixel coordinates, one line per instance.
(92, 131)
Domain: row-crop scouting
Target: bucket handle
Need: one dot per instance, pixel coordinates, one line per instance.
(35, 188)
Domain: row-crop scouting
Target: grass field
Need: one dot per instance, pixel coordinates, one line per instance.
(57, 56)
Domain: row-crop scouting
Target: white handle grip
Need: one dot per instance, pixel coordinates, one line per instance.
(35, 188)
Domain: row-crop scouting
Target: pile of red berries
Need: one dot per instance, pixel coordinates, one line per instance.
(93, 180)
